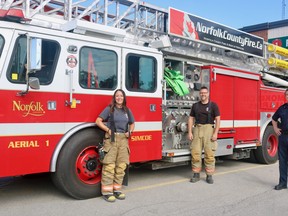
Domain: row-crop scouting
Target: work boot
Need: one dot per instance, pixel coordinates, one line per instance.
(119, 195)
(280, 186)
(195, 177)
(209, 179)
(109, 198)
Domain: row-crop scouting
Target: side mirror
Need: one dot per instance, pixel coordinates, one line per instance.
(34, 83)
(35, 50)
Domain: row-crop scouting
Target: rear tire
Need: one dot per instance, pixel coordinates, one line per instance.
(78, 169)
(267, 153)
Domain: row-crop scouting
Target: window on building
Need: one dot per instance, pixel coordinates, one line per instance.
(141, 73)
(18, 66)
(98, 69)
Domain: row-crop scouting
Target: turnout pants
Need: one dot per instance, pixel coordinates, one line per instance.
(202, 134)
(114, 163)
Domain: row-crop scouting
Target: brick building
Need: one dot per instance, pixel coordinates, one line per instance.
(272, 32)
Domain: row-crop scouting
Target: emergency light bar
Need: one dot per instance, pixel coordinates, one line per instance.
(13, 15)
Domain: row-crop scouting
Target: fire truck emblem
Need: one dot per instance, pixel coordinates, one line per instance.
(32, 109)
(71, 61)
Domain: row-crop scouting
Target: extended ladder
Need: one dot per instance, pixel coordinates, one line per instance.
(134, 16)
(136, 19)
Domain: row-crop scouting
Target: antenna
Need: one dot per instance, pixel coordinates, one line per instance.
(283, 9)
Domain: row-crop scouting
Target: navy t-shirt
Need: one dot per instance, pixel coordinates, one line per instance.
(121, 118)
(282, 114)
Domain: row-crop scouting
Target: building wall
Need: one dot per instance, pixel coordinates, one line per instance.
(269, 30)
(262, 33)
(278, 32)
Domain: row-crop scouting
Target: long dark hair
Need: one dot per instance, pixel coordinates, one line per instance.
(113, 102)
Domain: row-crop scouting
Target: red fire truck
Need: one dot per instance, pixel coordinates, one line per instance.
(60, 64)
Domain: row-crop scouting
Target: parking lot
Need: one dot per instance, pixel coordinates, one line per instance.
(240, 188)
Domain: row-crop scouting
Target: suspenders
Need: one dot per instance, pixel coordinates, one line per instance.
(197, 111)
(113, 126)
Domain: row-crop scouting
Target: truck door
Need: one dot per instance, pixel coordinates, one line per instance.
(142, 83)
(236, 93)
(30, 120)
(221, 92)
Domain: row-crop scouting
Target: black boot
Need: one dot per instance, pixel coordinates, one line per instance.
(209, 179)
(195, 177)
(280, 186)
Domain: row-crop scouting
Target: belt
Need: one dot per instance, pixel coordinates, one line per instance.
(118, 134)
(201, 125)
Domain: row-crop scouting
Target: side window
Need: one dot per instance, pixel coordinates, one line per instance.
(17, 70)
(98, 68)
(1, 44)
(141, 73)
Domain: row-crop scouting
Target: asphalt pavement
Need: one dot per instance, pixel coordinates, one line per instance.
(240, 188)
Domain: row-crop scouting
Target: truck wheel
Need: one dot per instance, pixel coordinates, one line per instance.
(78, 169)
(267, 153)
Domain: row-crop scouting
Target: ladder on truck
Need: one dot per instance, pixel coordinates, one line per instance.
(143, 20)
(136, 21)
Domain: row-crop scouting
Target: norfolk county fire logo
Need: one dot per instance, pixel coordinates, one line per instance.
(32, 109)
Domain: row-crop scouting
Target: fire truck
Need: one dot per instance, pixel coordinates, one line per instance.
(61, 61)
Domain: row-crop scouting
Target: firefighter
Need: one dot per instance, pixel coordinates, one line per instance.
(119, 127)
(205, 117)
(281, 129)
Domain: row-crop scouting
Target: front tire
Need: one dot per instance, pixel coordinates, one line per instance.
(78, 169)
(267, 153)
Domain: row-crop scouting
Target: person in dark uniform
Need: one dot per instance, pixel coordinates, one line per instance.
(205, 117)
(281, 129)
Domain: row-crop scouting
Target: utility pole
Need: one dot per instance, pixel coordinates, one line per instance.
(283, 9)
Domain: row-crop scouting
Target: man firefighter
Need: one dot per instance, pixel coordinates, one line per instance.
(205, 117)
(281, 129)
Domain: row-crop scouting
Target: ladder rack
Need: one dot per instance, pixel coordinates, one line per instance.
(133, 16)
(139, 21)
